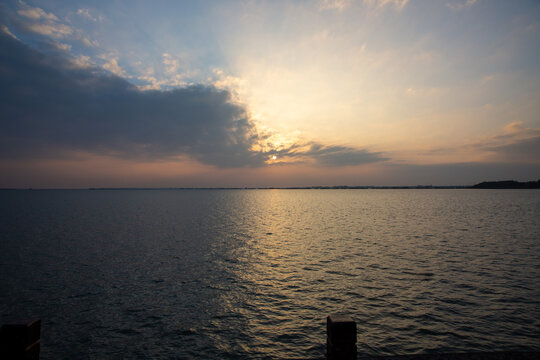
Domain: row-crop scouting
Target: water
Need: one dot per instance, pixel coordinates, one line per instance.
(253, 273)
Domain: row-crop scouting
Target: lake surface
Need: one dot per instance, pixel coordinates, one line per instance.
(252, 274)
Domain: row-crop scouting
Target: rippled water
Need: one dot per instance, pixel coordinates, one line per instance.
(253, 273)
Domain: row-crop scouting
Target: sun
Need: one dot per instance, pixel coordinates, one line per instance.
(274, 157)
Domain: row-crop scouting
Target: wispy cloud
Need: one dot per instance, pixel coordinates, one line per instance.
(171, 64)
(53, 30)
(315, 153)
(516, 143)
(90, 43)
(36, 20)
(6, 30)
(89, 15)
(58, 33)
(63, 47)
(35, 13)
(337, 155)
(380, 4)
(168, 77)
(111, 64)
(458, 5)
(82, 61)
(338, 5)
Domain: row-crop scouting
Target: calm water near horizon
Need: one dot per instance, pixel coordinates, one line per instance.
(252, 274)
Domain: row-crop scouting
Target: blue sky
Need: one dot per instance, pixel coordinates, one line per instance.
(365, 92)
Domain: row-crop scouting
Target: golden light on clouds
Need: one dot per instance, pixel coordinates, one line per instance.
(272, 88)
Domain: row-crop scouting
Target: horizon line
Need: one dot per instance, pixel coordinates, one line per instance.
(504, 184)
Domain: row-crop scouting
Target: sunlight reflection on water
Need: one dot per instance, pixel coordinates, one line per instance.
(253, 273)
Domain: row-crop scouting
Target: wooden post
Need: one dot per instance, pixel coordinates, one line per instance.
(20, 340)
(340, 338)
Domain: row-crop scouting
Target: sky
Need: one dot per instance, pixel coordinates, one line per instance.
(129, 93)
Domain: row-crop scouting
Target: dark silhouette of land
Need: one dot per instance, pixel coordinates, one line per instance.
(508, 184)
(503, 355)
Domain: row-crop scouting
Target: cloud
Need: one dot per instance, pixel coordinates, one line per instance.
(63, 47)
(53, 107)
(460, 5)
(397, 5)
(111, 64)
(5, 29)
(36, 13)
(517, 127)
(90, 43)
(516, 143)
(171, 64)
(524, 150)
(87, 14)
(53, 30)
(36, 20)
(342, 155)
(324, 155)
(338, 5)
(82, 61)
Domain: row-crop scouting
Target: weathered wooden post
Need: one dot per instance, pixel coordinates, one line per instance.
(340, 337)
(20, 340)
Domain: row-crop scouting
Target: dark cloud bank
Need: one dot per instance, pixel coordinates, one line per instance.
(49, 107)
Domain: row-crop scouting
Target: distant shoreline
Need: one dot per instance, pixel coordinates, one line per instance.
(507, 184)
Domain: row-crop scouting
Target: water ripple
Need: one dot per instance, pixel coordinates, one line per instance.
(252, 274)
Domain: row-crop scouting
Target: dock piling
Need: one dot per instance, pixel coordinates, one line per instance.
(340, 337)
(20, 340)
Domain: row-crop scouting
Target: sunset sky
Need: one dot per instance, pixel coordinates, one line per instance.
(268, 93)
